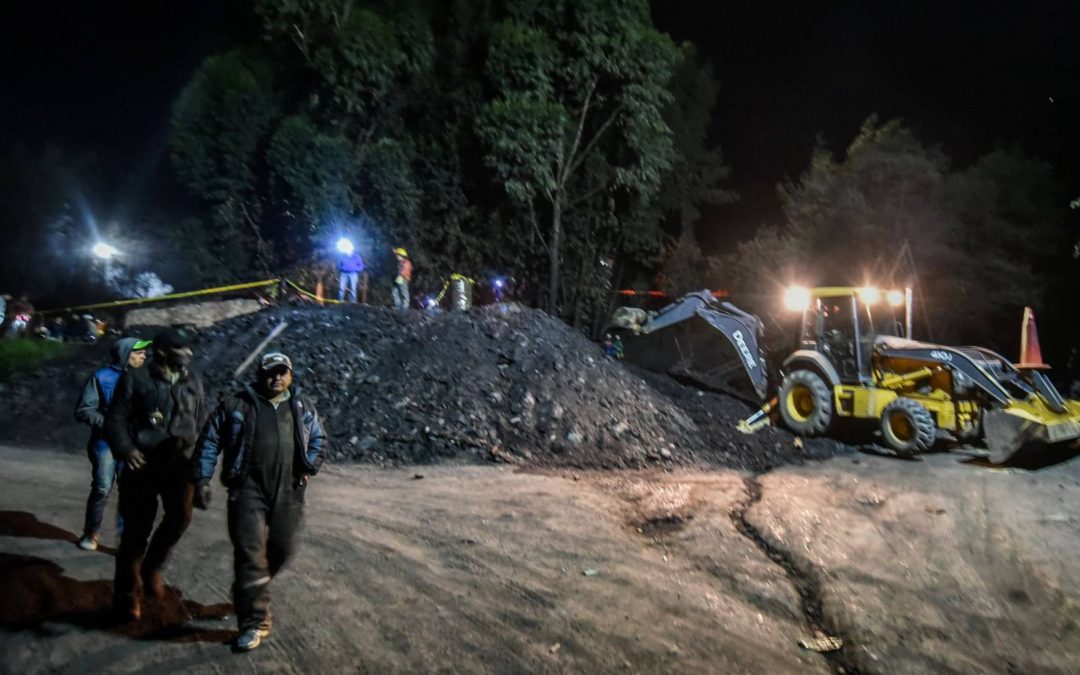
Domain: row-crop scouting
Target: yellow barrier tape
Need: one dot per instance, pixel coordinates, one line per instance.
(171, 296)
(311, 295)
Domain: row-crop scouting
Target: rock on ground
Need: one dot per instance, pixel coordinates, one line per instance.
(199, 314)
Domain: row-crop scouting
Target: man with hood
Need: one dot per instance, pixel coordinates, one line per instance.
(152, 426)
(93, 405)
(273, 441)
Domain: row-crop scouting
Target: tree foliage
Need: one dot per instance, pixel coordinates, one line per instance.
(576, 132)
(220, 123)
(979, 238)
(539, 138)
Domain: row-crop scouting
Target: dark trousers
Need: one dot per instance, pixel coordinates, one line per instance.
(262, 526)
(164, 478)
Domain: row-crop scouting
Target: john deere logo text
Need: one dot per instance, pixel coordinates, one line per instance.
(744, 349)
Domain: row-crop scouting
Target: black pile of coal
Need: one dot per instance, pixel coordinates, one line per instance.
(502, 383)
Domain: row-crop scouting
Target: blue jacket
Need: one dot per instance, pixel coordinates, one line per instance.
(352, 264)
(231, 430)
(98, 391)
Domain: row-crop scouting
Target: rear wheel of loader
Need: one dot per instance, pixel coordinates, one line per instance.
(907, 427)
(806, 403)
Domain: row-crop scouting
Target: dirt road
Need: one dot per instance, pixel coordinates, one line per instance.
(919, 566)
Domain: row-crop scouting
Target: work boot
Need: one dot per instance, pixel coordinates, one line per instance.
(89, 542)
(153, 586)
(250, 639)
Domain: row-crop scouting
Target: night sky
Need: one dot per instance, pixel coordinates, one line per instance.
(101, 76)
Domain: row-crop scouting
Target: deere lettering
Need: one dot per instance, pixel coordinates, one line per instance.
(744, 350)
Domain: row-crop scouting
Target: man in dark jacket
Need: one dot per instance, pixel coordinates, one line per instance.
(152, 426)
(273, 441)
(91, 409)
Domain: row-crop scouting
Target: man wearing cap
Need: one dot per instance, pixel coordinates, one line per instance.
(273, 441)
(93, 404)
(152, 426)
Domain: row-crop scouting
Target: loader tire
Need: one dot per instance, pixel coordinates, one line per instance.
(907, 427)
(806, 403)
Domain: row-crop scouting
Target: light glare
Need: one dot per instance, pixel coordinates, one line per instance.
(895, 298)
(104, 251)
(796, 298)
(870, 295)
(345, 246)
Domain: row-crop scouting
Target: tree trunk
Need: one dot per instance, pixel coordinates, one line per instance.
(554, 255)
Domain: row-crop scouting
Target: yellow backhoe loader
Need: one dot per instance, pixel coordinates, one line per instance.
(855, 359)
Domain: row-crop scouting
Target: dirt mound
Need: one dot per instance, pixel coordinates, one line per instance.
(500, 383)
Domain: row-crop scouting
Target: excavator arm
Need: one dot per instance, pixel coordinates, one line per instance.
(680, 339)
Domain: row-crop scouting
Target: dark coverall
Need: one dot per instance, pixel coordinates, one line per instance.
(161, 419)
(264, 513)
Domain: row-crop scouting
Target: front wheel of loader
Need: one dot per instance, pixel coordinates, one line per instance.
(907, 427)
(806, 403)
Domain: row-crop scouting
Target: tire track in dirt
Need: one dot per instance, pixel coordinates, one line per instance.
(803, 577)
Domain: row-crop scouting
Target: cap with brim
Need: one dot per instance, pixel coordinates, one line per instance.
(273, 360)
(141, 344)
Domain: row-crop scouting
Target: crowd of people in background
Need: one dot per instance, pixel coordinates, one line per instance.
(18, 318)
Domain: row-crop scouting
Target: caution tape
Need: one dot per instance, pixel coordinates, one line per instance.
(171, 296)
(309, 294)
(294, 286)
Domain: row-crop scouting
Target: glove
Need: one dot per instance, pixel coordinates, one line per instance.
(399, 280)
(202, 497)
(135, 460)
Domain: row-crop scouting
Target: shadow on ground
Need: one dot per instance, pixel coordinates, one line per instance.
(36, 592)
(1033, 457)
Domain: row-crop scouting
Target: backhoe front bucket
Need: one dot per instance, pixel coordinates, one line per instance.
(1026, 424)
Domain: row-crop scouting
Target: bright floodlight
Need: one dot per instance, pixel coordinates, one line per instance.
(796, 298)
(895, 298)
(870, 295)
(104, 251)
(345, 246)
(498, 283)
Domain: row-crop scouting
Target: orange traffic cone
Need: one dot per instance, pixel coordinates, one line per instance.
(1030, 353)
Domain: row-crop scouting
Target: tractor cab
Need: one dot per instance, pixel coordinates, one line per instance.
(842, 324)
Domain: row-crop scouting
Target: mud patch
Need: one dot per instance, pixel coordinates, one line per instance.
(664, 525)
(36, 592)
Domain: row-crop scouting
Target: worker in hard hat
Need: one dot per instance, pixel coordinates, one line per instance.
(400, 291)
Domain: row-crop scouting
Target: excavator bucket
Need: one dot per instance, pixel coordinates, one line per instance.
(680, 339)
(1042, 417)
(1026, 424)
